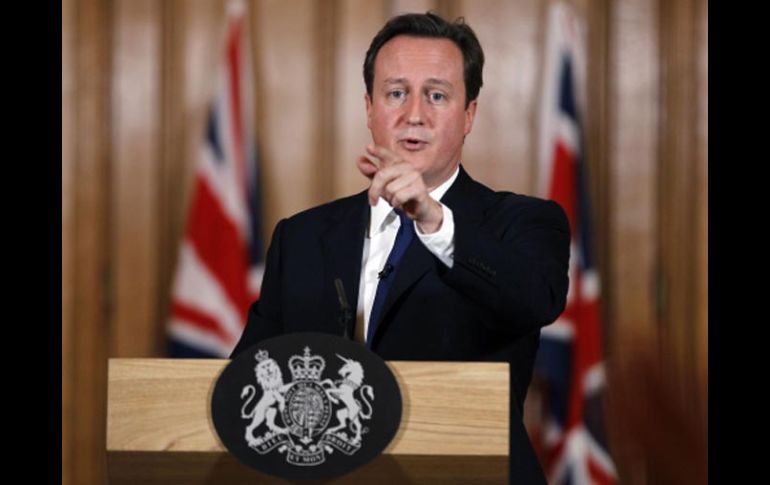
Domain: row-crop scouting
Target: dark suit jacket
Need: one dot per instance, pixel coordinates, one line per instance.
(508, 280)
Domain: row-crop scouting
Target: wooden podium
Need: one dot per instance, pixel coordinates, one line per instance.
(454, 427)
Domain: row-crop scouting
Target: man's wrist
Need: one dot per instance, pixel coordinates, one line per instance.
(441, 242)
(432, 224)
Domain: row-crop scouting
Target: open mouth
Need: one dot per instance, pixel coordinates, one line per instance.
(412, 144)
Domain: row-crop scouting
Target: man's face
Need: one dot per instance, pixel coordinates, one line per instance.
(417, 108)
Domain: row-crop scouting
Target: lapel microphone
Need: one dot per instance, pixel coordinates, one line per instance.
(385, 271)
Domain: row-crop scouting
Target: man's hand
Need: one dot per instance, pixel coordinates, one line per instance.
(398, 182)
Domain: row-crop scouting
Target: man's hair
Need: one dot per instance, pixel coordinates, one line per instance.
(432, 26)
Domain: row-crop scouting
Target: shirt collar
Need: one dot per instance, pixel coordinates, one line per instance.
(382, 213)
(439, 191)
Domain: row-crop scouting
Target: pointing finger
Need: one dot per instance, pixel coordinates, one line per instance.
(386, 156)
(367, 167)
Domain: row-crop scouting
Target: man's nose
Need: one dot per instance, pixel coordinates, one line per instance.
(414, 111)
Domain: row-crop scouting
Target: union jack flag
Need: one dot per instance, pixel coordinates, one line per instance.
(571, 440)
(219, 270)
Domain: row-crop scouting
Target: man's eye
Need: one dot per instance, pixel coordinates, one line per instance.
(396, 94)
(437, 97)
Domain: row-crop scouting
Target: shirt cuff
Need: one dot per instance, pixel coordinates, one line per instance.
(442, 242)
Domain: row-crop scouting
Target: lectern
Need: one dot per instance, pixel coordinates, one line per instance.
(159, 431)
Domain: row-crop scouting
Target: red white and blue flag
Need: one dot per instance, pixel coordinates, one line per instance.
(219, 270)
(570, 438)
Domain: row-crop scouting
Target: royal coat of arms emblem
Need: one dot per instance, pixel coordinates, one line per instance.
(311, 416)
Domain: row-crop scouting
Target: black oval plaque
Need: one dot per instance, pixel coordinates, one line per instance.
(306, 405)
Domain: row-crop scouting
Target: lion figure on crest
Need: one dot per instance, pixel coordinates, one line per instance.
(270, 378)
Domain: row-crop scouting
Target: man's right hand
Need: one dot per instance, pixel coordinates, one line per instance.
(402, 186)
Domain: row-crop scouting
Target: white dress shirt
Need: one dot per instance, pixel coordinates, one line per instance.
(383, 226)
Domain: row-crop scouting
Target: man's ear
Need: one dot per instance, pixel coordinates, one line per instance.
(470, 114)
(368, 102)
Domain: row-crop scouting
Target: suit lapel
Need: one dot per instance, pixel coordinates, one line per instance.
(417, 261)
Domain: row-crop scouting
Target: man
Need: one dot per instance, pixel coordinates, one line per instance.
(440, 266)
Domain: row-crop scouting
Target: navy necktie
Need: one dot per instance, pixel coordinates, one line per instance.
(404, 236)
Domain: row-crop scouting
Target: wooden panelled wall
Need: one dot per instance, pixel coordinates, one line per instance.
(137, 77)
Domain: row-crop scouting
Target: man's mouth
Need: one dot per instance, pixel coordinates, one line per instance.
(412, 144)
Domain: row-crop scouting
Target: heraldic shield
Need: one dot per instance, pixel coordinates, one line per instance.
(306, 405)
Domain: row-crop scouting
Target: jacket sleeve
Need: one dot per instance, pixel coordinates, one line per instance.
(264, 317)
(514, 264)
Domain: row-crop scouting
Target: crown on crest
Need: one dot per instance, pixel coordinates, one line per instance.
(261, 355)
(306, 367)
